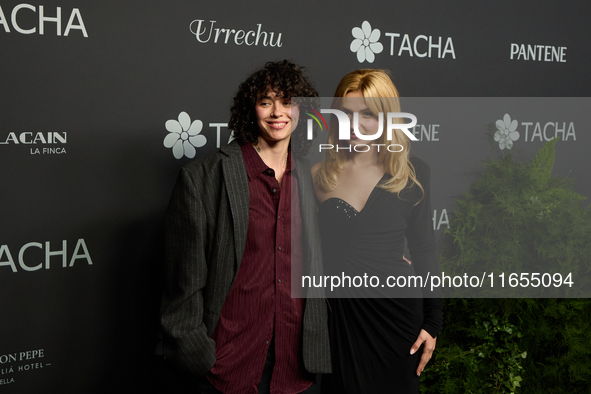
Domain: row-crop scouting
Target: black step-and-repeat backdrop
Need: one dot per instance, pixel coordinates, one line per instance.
(102, 102)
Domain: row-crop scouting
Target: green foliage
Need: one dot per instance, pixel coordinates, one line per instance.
(482, 356)
(517, 218)
(512, 346)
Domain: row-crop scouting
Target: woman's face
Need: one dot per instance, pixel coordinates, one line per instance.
(367, 120)
(276, 117)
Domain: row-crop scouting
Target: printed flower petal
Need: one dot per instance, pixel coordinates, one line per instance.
(513, 125)
(357, 33)
(500, 125)
(195, 128)
(498, 135)
(514, 135)
(376, 47)
(173, 126)
(189, 150)
(502, 143)
(366, 27)
(171, 139)
(355, 45)
(369, 56)
(198, 141)
(361, 55)
(177, 149)
(374, 36)
(509, 143)
(507, 120)
(185, 120)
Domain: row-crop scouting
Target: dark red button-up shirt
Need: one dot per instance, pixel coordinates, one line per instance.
(259, 307)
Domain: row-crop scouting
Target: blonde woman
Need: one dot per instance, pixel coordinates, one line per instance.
(373, 196)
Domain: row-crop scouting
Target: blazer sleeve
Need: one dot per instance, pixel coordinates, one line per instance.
(186, 343)
(423, 252)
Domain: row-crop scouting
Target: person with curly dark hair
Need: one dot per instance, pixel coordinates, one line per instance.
(284, 78)
(238, 222)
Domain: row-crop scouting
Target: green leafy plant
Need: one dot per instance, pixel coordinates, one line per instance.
(481, 357)
(517, 218)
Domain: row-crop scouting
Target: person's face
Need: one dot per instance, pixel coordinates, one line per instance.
(367, 120)
(276, 117)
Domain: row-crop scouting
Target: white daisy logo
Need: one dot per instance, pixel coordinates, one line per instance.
(184, 136)
(366, 42)
(506, 132)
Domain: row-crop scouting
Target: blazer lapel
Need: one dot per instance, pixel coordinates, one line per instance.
(308, 212)
(236, 181)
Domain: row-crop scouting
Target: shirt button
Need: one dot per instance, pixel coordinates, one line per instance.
(274, 190)
(279, 280)
(280, 248)
(267, 342)
(270, 172)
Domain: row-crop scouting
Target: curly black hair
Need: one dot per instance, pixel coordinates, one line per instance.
(284, 78)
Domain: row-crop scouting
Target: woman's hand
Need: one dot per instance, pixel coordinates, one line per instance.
(428, 343)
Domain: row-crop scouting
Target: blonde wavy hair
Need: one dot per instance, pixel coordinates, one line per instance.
(380, 96)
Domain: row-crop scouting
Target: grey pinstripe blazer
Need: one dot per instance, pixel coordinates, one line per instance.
(206, 225)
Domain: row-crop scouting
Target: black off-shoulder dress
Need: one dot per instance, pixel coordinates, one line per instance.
(373, 324)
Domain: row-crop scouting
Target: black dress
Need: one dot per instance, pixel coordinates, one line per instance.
(372, 326)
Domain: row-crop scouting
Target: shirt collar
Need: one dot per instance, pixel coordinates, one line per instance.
(255, 165)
